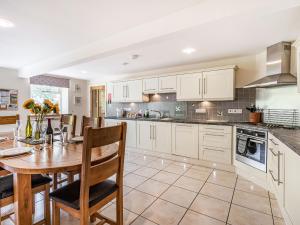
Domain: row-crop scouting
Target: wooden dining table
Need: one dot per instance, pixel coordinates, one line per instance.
(44, 160)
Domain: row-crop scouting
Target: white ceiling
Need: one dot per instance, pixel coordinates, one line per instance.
(66, 37)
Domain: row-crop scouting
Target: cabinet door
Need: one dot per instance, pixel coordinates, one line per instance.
(185, 140)
(131, 133)
(150, 86)
(167, 84)
(134, 91)
(292, 186)
(163, 137)
(110, 122)
(145, 135)
(218, 140)
(189, 87)
(218, 85)
(118, 93)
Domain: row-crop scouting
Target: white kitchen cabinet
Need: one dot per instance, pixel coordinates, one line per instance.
(292, 185)
(118, 92)
(163, 137)
(189, 87)
(215, 143)
(150, 86)
(185, 140)
(219, 85)
(167, 84)
(275, 169)
(131, 133)
(154, 136)
(129, 91)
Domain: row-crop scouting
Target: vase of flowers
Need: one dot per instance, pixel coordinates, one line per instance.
(40, 111)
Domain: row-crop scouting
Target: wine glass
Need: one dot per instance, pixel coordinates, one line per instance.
(17, 130)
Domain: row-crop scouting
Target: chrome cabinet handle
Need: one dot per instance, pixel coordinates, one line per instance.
(273, 141)
(154, 132)
(150, 132)
(215, 135)
(278, 164)
(200, 86)
(256, 141)
(271, 150)
(274, 179)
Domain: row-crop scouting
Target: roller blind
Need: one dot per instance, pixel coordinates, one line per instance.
(50, 81)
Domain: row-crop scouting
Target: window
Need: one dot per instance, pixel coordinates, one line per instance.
(55, 94)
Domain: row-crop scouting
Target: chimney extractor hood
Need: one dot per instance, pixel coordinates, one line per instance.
(278, 68)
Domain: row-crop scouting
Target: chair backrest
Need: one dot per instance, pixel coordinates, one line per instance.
(70, 120)
(92, 174)
(5, 120)
(94, 122)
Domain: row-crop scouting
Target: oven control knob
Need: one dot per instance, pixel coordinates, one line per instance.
(256, 134)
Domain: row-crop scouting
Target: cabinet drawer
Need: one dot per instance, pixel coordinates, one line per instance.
(219, 140)
(217, 155)
(216, 129)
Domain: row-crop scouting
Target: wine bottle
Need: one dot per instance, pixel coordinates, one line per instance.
(28, 128)
(49, 133)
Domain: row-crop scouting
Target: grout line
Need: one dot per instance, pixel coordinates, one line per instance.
(271, 209)
(232, 199)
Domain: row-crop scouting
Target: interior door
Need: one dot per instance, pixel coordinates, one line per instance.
(218, 85)
(97, 107)
(189, 87)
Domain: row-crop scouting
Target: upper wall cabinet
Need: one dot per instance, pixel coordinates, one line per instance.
(189, 87)
(150, 86)
(218, 85)
(167, 84)
(129, 91)
(215, 85)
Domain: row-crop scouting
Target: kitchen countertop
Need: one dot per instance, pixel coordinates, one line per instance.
(290, 137)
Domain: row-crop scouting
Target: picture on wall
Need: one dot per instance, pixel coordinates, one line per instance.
(8, 99)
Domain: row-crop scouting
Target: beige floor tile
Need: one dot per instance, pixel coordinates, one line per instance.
(126, 190)
(186, 165)
(146, 172)
(272, 196)
(193, 218)
(275, 208)
(164, 213)
(142, 221)
(223, 178)
(166, 177)
(212, 207)
(159, 164)
(110, 212)
(242, 216)
(217, 191)
(130, 167)
(153, 187)
(202, 168)
(202, 174)
(278, 221)
(248, 186)
(252, 201)
(179, 196)
(189, 183)
(133, 180)
(137, 201)
(176, 169)
(144, 160)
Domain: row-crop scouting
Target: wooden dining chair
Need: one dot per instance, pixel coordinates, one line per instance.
(94, 122)
(39, 183)
(83, 198)
(7, 120)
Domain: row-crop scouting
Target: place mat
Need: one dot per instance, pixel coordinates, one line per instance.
(15, 151)
(31, 141)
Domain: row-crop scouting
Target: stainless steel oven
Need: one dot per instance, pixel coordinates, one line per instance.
(251, 147)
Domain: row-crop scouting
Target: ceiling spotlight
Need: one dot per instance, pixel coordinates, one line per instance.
(6, 23)
(125, 63)
(83, 71)
(135, 56)
(188, 51)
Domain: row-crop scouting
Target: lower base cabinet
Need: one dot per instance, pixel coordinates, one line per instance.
(185, 140)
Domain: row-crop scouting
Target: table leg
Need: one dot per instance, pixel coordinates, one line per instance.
(23, 199)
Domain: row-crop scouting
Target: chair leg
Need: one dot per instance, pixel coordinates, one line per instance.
(47, 205)
(93, 218)
(55, 214)
(70, 177)
(119, 207)
(55, 181)
(33, 203)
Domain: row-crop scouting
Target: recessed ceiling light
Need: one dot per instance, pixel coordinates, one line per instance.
(135, 56)
(6, 23)
(83, 71)
(125, 63)
(188, 50)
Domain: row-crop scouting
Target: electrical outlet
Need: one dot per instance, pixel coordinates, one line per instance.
(235, 111)
(200, 110)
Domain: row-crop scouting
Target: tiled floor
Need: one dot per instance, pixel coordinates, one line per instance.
(166, 192)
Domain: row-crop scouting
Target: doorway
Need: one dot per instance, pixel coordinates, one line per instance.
(97, 105)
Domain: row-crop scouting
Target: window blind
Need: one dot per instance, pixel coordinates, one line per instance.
(50, 81)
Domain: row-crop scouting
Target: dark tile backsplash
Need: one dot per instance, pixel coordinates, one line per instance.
(167, 104)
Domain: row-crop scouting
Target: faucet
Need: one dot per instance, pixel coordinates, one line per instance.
(156, 111)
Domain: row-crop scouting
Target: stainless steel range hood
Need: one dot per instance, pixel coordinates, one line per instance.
(278, 68)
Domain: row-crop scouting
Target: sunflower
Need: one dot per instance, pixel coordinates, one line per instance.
(28, 104)
(48, 104)
(56, 108)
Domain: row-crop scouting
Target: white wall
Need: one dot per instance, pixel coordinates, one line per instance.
(9, 80)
